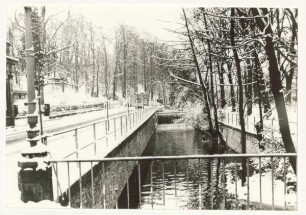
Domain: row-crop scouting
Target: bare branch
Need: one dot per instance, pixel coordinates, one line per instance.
(17, 23)
(231, 17)
(57, 50)
(58, 27)
(183, 80)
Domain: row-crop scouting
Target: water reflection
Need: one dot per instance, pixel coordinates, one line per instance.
(176, 184)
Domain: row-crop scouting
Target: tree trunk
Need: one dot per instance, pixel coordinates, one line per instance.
(124, 64)
(93, 70)
(212, 82)
(97, 80)
(76, 66)
(259, 126)
(135, 75)
(106, 72)
(114, 81)
(232, 90)
(151, 73)
(289, 77)
(276, 87)
(289, 85)
(199, 74)
(240, 101)
(144, 70)
(249, 94)
(262, 85)
(221, 80)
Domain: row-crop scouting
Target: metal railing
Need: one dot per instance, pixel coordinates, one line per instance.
(96, 138)
(232, 119)
(275, 159)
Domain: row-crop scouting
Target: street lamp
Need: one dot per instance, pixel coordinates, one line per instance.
(34, 178)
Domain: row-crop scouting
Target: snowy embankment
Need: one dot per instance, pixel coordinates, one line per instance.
(285, 197)
(270, 121)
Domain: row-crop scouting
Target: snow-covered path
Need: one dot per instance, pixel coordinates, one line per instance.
(62, 145)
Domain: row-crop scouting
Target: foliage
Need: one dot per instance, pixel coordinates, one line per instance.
(194, 116)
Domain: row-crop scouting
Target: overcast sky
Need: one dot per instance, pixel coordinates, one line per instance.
(151, 19)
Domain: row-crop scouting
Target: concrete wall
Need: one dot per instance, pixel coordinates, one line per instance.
(110, 178)
(232, 136)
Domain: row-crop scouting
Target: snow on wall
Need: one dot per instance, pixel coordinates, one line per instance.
(111, 179)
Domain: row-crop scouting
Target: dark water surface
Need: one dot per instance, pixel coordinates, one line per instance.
(185, 183)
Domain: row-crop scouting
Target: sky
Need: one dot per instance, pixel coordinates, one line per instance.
(145, 19)
(153, 20)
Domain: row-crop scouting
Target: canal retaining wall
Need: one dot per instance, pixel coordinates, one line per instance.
(232, 137)
(110, 178)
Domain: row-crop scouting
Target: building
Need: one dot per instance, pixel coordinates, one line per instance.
(10, 68)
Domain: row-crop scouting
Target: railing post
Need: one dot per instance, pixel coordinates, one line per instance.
(121, 124)
(272, 173)
(187, 174)
(260, 194)
(175, 190)
(104, 196)
(211, 183)
(139, 184)
(126, 122)
(285, 181)
(106, 135)
(151, 182)
(128, 189)
(236, 196)
(254, 124)
(95, 138)
(224, 184)
(115, 128)
(69, 192)
(92, 185)
(163, 175)
(76, 142)
(130, 121)
(80, 184)
(248, 183)
(57, 182)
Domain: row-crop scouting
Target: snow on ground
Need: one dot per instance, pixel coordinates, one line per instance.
(62, 145)
(271, 123)
(281, 197)
(271, 131)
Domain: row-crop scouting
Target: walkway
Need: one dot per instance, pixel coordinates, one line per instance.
(94, 140)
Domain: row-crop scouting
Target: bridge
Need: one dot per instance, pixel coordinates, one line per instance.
(93, 168)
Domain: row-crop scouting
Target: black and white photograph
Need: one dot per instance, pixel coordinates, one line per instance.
(161, 107)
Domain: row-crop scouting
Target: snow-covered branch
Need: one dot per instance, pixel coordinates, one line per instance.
(233, 17)
(184, 80)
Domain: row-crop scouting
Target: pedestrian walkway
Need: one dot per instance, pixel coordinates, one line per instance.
(56, 124)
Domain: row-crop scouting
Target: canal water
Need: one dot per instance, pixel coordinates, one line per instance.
(174, 184)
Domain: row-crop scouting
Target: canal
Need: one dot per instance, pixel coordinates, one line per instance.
(174, 184)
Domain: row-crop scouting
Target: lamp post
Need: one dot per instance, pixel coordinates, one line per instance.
(34, 178)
